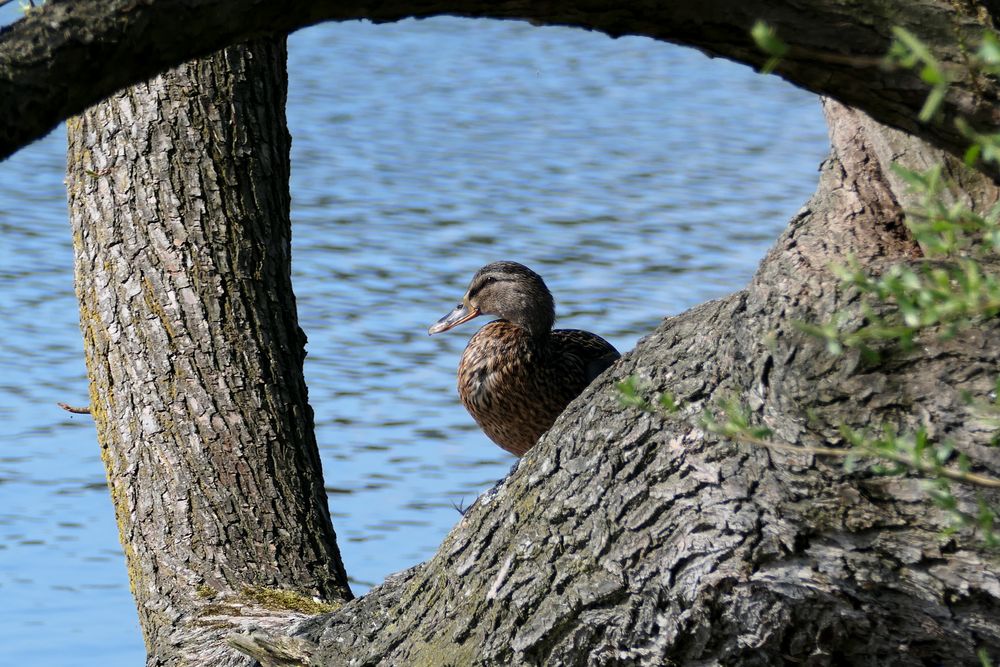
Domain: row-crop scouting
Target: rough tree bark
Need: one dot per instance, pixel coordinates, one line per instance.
(65, 56)
(625, 537)
(178, 192)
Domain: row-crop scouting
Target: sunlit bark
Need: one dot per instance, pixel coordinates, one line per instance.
(180, 208)
(629, 537)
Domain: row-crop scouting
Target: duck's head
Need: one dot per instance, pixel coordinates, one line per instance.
(508, 290)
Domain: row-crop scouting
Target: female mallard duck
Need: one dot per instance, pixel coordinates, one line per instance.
(517, 374)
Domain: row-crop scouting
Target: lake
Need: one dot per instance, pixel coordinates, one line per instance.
(637, 177)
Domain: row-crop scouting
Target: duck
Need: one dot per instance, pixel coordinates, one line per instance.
(517, 373)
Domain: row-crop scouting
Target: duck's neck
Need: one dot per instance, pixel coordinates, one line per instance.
(536, 324)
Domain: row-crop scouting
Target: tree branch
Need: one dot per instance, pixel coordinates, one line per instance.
(76, 411)
(923, 467)
(64, 57)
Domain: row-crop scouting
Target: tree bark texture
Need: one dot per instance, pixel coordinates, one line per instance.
(179, 202)
(629, 537)
(626, 536)
(66, 56)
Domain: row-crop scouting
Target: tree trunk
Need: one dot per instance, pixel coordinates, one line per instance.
(630, 537)
(178, 193)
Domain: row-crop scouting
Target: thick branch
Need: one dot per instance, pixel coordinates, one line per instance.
(631, 537)
(66, 56)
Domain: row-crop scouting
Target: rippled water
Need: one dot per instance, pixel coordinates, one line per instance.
(638, 178)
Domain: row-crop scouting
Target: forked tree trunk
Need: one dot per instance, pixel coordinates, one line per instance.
(178, 195)
(625, 537)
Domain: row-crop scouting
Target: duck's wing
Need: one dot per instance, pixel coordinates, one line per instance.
(594, 353)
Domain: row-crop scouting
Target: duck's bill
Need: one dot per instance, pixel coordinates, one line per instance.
(462, 313)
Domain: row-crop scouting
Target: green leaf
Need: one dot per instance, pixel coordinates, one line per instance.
(914, 45)
(914, 179)
(989, 50)
(932, 75)
(767, 40)
(669, 403)
(933, 102)
(629, 394)
(972, 155)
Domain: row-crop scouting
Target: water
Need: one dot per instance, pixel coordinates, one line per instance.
(638, 178)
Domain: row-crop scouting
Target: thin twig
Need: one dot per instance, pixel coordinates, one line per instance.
(460, 506)
(921, 466)
(75, 411)
(830, 57)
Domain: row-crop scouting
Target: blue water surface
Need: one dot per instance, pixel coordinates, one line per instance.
(638, 178)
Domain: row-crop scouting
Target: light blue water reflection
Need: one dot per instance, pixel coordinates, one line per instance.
(638, 178)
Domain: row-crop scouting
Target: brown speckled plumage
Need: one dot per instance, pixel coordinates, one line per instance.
(517, 374)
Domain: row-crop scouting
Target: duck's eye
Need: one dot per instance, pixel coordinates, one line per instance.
(480, 285)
